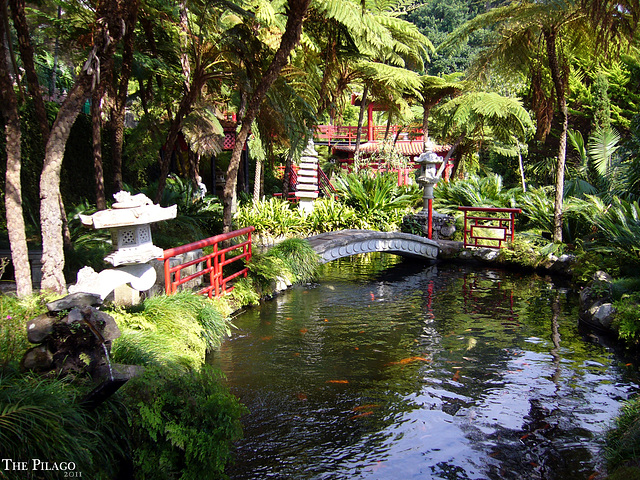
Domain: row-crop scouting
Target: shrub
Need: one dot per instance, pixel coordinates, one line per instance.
(330, 215)
(183, 424)
(273, 217)
(627, 318)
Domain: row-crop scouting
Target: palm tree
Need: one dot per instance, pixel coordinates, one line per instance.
(524, 33)
(475, 119)
(552, 30)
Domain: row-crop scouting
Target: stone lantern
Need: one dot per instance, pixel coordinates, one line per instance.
(428, 179)
(129, 220)
(429, 176)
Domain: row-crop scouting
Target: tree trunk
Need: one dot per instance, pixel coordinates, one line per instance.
(26, 55)
(106, 36)
(521, 168)
(559, 82)
(363, 108)
(185, 106)
(257, 181)
(96, 136)
(13, 188)
(290, 38)
(120, 100)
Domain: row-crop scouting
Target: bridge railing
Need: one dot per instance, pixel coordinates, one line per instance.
(482, 230)
(213, 264)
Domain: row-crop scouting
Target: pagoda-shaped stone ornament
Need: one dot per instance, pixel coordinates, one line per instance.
(307, 189)
(129, 220)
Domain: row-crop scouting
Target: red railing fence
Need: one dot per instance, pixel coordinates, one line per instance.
(481, 228)
(212, 264)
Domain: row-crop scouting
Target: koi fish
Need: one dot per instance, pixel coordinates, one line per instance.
(337, 381)
(303, 331)
(360, 415)
(267, 338)
(405, 361)
(365, 407)
(456, 376)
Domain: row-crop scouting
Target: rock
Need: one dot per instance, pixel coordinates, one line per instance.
(39, 328)
(38, 359)
(602, 315)
(107, 325)
(79, 299)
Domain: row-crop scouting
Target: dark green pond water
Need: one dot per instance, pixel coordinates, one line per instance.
(390, 369)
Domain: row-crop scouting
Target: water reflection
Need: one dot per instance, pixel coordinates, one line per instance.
(388, 369)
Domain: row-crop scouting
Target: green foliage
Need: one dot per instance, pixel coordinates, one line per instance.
(245, 292)
(522, 251)
(623, 441)
(615, 227)
(627, 317)
(41, 418)
(377, 198)
(267, 268)
(330, 215)
(183, 423)
(299, 257)
(170, 330)
(14, 314)
(273, 217)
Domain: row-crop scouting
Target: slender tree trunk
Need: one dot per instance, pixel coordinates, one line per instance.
(13, 187)
(559, 82)
(257, 181)
(363, 108)
(120, 100)
(26, 55)
(290, 38)
(96, 136)
(287, 174)
(185, 106)
(9, 45)
(521, 168)
(106, 36)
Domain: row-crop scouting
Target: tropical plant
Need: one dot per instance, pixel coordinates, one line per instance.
(330, 215)
(615, 228)
(182, 423)
(272, 217)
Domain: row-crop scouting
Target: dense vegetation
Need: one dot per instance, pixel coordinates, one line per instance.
(537, 99)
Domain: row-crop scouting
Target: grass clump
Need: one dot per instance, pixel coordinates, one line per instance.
(623, 441)
(169, 329)
(41, 418)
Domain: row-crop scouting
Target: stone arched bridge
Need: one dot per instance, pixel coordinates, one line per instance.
(344, 243)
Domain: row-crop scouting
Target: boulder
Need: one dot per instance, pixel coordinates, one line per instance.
(38, 359)
(79, 299)
(40, 328)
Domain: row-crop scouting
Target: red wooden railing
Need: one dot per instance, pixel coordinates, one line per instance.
(475, 225)
(214, 263)
(347, 134)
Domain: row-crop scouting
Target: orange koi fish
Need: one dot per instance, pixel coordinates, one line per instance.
(405, 361)
(337, 381)
(365, 407)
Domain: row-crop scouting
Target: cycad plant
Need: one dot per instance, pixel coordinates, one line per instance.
(615, 228)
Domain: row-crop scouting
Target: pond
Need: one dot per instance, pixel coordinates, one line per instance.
(394, 369)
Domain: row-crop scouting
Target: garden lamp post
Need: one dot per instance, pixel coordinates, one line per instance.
(428, 179)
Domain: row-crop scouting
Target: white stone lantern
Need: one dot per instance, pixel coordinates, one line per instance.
(130, 222)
